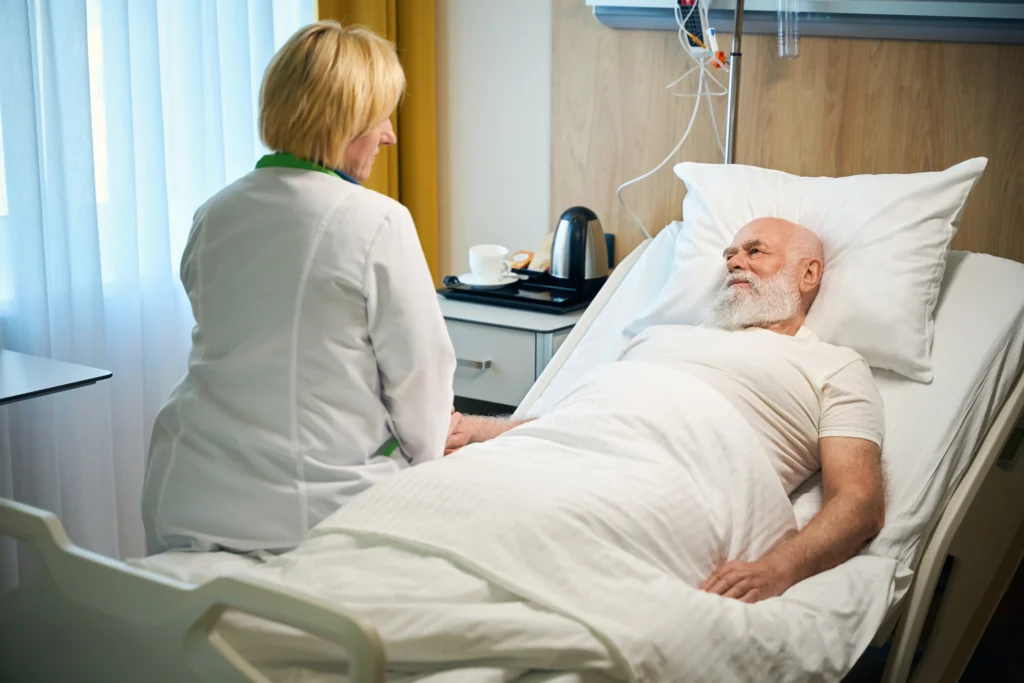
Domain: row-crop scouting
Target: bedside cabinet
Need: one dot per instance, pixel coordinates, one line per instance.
(501, 351)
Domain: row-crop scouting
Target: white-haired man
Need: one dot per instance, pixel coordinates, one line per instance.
(813, 405)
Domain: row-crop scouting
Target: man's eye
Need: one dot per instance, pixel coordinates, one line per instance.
(755, 250)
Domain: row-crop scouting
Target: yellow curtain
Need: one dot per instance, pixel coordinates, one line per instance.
(408, 171)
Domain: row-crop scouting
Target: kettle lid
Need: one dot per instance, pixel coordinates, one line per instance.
(581, 211)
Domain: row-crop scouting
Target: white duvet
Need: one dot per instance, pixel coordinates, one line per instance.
(569, 549)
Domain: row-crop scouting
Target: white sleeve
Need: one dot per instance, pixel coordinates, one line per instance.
(415, 357)
(187, 270)
(851, 405)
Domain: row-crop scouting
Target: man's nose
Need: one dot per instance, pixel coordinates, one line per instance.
(737, 262)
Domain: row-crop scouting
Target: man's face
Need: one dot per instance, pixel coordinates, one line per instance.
(760, 288)
(756, 249)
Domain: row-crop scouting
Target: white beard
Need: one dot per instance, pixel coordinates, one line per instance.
(766, 302)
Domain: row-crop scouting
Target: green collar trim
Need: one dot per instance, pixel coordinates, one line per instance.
(286, 160)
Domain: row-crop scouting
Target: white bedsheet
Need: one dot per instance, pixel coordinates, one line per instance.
(574, 544)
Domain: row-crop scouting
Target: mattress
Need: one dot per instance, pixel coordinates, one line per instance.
(932, 430)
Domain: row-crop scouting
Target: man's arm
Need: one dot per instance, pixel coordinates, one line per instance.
(853, 513)
(467, 429)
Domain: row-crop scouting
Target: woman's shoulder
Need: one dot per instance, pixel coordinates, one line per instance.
(346, 216)
(322, 194)
(370, 207)
(344, 204)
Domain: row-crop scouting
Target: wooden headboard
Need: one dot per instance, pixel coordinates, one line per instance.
(845, 106)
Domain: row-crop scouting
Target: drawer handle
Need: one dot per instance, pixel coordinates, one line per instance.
(473, 364)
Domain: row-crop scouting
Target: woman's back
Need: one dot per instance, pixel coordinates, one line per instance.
(282, 416)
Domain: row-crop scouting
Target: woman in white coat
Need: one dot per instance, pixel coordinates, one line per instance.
(320, 361)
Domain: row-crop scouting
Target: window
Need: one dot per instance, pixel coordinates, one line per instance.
(98, 101)
(100, 149)
(6, 281)
(157, 80)
(3, 172)
(99, 134)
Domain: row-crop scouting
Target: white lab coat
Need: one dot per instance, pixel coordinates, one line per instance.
(318, 338)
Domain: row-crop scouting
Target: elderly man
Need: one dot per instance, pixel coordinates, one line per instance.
(813, 405)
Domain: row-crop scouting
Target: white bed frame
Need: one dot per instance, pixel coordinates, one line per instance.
(88, 617)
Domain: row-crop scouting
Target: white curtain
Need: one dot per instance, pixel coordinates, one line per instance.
(118, 119)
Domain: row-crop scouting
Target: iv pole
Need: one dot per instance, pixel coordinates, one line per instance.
(734, 86)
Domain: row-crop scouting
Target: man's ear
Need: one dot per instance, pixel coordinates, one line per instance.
(812, 276)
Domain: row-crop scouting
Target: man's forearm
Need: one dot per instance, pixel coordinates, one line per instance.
(487, 428)
(836, 534)
(854, 512)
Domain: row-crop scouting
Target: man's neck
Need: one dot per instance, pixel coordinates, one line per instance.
(788, 327)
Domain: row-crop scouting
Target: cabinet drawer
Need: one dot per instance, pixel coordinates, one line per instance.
(496, 364)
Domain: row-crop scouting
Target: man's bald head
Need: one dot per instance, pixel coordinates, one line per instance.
(775, 266)
(796, 241)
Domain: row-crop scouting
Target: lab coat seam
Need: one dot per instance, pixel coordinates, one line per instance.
(386, 220)
(293, 368)
(389, 421)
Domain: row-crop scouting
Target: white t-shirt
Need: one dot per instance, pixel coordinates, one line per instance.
(793, 390)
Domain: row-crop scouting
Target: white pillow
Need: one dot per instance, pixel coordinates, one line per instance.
(885, 239)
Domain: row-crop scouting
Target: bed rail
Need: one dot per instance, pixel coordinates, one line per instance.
(580, 329)
(911, 622)
(99, 612)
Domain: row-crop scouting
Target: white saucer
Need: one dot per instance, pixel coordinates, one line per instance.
(473, 281)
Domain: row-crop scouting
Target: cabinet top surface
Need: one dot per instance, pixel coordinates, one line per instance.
(499, 316)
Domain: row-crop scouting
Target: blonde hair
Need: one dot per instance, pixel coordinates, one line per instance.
(328, 85)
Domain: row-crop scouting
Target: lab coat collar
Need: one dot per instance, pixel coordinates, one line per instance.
(286, 160)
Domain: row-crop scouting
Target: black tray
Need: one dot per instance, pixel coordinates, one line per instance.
(533, 294)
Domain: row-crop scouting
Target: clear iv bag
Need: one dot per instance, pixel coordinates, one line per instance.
(789, 29)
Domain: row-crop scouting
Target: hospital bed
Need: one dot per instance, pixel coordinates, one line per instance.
(952, 492)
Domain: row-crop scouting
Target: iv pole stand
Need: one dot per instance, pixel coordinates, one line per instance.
(734, 86)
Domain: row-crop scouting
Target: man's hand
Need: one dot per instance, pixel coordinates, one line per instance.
(459, 433)
(466, 429)
(748, 581)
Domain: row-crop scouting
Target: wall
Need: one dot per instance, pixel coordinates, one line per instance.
(843, 107)
(494, 125)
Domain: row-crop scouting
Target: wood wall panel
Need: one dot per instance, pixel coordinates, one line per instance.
(843, 107)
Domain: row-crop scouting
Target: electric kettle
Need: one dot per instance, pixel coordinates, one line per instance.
(579, 253)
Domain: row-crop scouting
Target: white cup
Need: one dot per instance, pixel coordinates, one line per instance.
(489, 262)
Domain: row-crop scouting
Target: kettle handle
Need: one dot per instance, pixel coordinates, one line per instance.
(577, 248)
